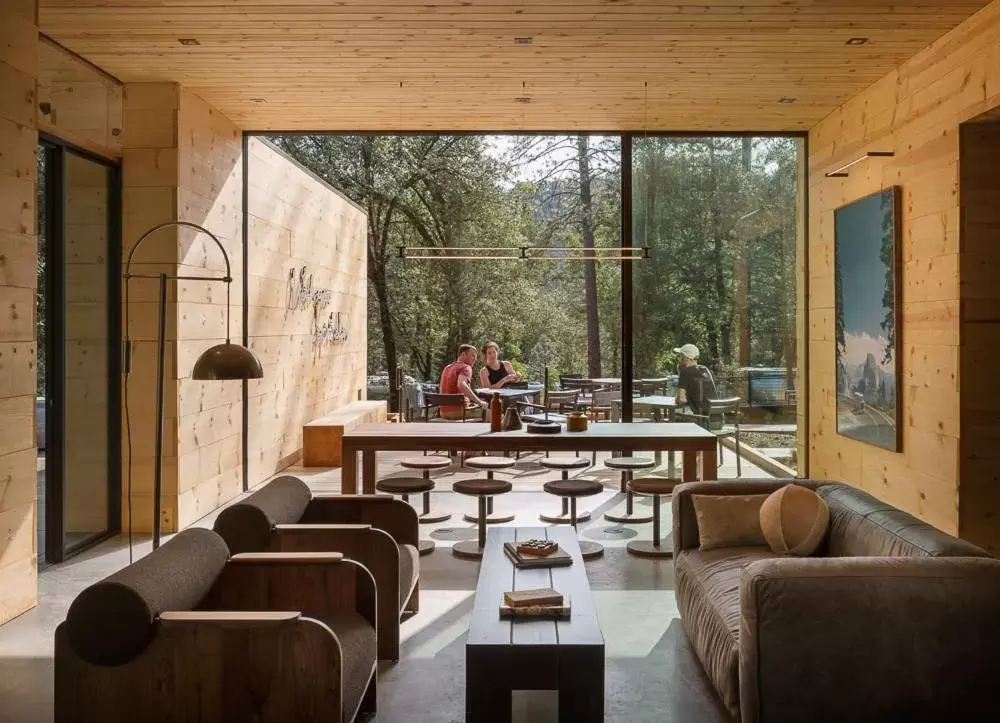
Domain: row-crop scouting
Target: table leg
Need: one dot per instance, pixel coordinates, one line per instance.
(487, 691)
(368, 472)
(581, 685)
(349, 471)
(671, 464)
(709, 466)
(690, 466)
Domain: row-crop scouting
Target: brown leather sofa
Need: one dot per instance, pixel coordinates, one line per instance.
(892, 620)
(378, 531)
(189, 634)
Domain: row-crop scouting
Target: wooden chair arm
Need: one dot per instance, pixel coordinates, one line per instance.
(230, 618)
(389, 514)
(285, 558)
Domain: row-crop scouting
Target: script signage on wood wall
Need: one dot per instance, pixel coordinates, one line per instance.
(302, 295)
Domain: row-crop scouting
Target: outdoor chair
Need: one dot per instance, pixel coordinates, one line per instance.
(602, 405)
(378, 531)
(189, 632)
(568, 382)
(434, 400)
(722, 420)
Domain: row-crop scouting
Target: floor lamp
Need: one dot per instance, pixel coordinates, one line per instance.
(226, 361)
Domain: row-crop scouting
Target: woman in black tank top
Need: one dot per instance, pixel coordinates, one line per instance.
(495, 373)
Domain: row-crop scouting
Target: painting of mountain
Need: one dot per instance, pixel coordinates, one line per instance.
(866, 241)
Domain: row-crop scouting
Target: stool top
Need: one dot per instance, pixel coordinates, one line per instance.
(404, 485)
(490, 462)
(564, 462)
(573, 487)
(481, 487)
(629, 463)
(431, 461)
(653, 485)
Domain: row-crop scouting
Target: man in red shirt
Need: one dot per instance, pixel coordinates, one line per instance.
(456, 378)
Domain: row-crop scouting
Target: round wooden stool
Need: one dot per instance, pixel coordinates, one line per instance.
(628, 465)
(653, 487)
(565, 464)
(425, 465)
(484, 489)
(490, 465)
(570, 489)
(404, 487)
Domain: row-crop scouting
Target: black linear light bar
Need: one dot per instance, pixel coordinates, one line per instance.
(842, 171)
(524, 253)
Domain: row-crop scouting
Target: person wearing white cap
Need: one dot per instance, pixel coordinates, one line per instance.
(695, 384)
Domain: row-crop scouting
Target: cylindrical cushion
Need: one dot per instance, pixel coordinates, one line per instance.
(481, 486)
(246, 526)
(653, 485)
(794, 520)
(564, 462)
(404, 485)
(112, 621)
(431, 461)
(490, 462)
(573, 487)
(629, 463)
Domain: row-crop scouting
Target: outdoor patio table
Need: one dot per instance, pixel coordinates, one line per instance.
(698, 444)
(509, 395)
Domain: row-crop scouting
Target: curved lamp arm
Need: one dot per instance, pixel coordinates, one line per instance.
(228, 278)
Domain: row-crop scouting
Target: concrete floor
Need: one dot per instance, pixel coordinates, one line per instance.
(651, 671)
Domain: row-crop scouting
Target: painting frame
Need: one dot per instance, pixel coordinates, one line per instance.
(867, 318)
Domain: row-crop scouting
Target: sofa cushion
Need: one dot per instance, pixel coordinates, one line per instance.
(863, 526)
(113, 620)
(728, 520)
(708, 598)
(794, 520)
(246, 526)
(357, 644)
(409, 569)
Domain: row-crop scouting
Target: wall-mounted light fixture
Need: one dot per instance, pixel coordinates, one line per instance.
(524, 253)
(842, 171)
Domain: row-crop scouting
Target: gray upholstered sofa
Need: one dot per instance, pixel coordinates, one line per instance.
(378, 531)
(892, 620)
(189, 634)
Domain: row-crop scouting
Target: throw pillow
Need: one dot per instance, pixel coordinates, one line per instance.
(794, 520)
(728, 520)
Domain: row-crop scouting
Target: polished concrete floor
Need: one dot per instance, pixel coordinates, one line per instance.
(651, 671)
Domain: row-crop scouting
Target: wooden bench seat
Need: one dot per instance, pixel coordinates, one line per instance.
(321, 438)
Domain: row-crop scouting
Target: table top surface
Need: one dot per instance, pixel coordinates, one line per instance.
(469, 430)
(498, 575)
(509, 392)
(656, 401)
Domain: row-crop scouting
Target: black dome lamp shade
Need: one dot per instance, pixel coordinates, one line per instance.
(221, 362)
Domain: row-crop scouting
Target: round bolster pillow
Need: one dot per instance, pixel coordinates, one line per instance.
(113, 620)
(246, 526)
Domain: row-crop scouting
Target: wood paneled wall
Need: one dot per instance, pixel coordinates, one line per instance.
(297, 221)
(915, 111)
(18, 176)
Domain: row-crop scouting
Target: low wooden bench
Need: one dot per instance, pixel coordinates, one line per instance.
(321, 438)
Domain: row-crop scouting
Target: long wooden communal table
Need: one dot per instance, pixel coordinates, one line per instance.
(503, 655)
(699, 445)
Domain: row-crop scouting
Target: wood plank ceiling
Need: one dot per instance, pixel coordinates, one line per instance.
(504, 64)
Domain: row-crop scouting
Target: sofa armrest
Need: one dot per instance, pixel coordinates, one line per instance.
(685, 527)
(382, 511)
(868, 639)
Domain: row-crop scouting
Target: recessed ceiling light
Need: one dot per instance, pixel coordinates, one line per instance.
(188, 41)
(522, 99)
(524, 40)
(786, 100)
(857, 41)
(258, 100)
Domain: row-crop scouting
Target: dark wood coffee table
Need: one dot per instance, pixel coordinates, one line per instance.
(504, 655)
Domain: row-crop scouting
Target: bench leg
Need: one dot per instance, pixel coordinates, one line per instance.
(487, 691)
(581, 686)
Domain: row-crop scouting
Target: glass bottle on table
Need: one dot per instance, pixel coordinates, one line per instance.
(496, 413)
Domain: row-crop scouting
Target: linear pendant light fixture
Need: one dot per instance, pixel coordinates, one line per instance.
(842, 171)
(524, 253)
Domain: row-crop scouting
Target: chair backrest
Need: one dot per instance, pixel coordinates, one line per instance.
(112, 621)
(564, 397)
(246, 526)
(728, 406)
(434, 399)
(604, 397)
(570, 381)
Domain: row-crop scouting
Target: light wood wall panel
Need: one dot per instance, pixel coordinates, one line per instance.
(82, 105)
(915, 111)
(18, 143)
(296, 221)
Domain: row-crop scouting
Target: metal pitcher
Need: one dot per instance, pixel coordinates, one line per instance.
(511, 420)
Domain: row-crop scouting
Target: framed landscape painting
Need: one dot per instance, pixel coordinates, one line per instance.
(866, 278)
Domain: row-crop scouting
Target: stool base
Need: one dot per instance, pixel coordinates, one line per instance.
(467, 550)
(493, 519)
(647, 548)
(635, 518)
(433, 517)
(425, 547)
(562, 518)
(590, 550)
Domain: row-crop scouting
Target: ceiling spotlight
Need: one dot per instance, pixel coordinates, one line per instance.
(258, 100)
(188, 41)
(857, 41)
(524, 40)
(786, 100)
(522, 99)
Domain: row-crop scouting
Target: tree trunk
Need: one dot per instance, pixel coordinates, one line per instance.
(388, 335)
(589, 267)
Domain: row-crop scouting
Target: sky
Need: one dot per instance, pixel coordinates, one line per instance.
(859, 243)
